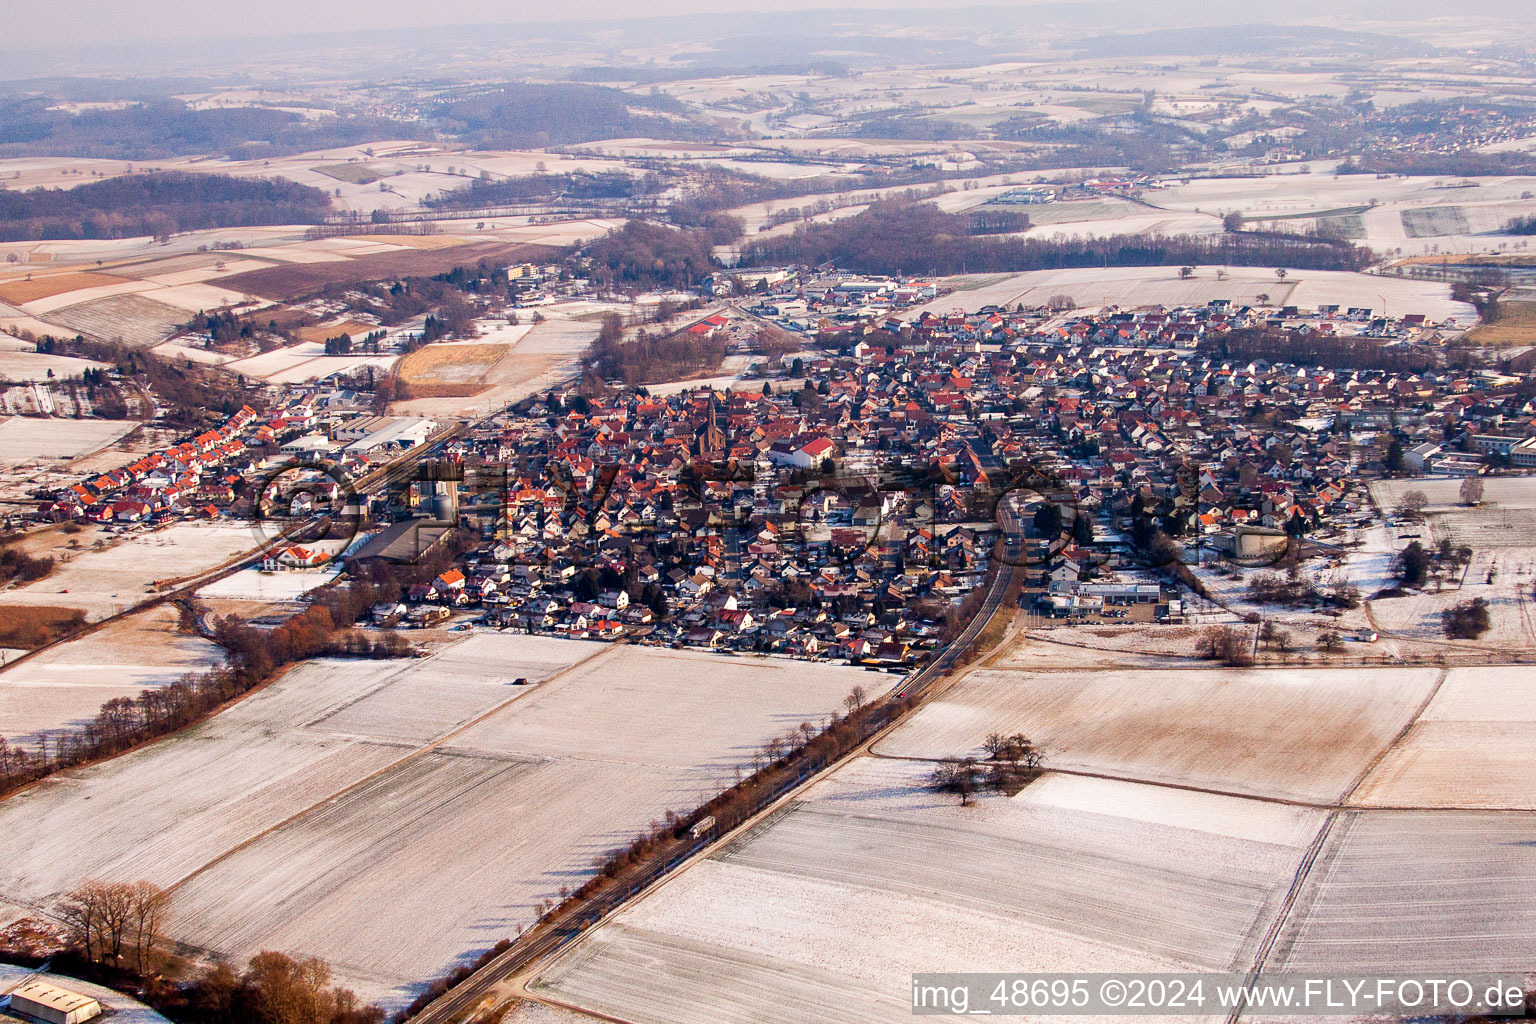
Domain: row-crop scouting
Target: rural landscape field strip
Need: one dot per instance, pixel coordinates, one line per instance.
(1196, 916)
(1301, 733)
(1445, 891)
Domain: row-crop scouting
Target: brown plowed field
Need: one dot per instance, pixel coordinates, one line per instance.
(296, 279)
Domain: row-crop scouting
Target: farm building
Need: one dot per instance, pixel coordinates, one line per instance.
(39, 1000)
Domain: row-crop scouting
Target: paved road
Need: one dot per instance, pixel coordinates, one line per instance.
(462, 1000)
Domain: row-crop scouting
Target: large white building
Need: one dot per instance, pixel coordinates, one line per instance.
(40, 1000)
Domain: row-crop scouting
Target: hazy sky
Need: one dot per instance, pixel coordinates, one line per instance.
(64, 24)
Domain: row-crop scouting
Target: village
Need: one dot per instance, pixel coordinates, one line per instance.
(839, 502)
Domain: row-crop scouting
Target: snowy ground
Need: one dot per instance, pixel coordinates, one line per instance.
(256, 585)
(1296, 732)
(395, 817)
(36, 439)
(66, 685)
(1473, 746)
(1140, 286)
(1440, 891)
(107, 580)
(830, 905)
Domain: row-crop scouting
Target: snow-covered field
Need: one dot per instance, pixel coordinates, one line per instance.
(36, 366)
(1473, 746)
(829, 906)
(105, 581)
(1302, 733)
(1140, 286)
(255, 585)
(395, 817)
(1430, 891)
(66, 685)
(27, 438)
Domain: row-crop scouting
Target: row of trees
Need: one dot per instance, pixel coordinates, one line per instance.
(116, 924)
(1012, 762)
(157, 204)
(116, 933)
(167, 127)
(1467, 620)
(16, 564)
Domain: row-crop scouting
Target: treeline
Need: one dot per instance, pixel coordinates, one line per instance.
(1311, 348)
(642, 256)
(1453, 165)
(648, 360)
(167, 127)
(1520, 226)
(157, 204)
(545, 188)
(521, 115)
(901, 236)
(21, 567)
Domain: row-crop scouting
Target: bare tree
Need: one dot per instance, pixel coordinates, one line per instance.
(106, 917)
(151, 907)
(961, 777)
(854, 702)
(1472, 491)
(1411, 504)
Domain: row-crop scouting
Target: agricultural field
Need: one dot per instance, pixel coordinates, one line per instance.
(1472, 747)
(303, 362)
(1434, 221)
(300, 278)
(536, 358)
(1298, 733)
(1438, 890)
(353, 174)
(317, 333)
(1141, 286)
(829, 904)
(1516, 326)
(19, 290)
(108, 579)
(20, 362)
(394, 817)
(132, 319)
(31, 440)
(449, 370)
(66, 685)
(257, 585)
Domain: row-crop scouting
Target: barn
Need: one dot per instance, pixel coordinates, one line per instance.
(42, 1001)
